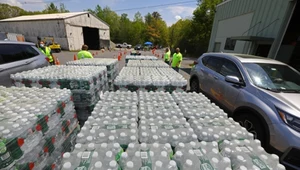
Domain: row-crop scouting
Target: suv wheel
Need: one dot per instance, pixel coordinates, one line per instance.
(253, 125)
(194, 85)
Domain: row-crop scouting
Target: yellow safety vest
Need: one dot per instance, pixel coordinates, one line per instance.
(47, 53)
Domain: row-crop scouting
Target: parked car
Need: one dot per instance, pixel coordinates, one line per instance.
(138, 47)
(17, 57)
(124, 45)
(262, 94)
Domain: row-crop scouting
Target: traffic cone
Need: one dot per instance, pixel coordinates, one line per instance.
(75, 58)
(57, 62)
(119, 57)
(93, 54)
(162, 56)
(96, 52)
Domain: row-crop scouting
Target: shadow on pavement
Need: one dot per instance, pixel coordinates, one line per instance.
(187, 70)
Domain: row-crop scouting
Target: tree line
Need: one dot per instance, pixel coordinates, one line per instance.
(191, 35)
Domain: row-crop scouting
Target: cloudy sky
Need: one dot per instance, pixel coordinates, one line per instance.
(171, 10)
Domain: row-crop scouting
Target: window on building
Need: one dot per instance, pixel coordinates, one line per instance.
(230, 44)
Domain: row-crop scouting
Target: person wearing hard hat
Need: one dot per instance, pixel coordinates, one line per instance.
(47, 51)
(84, 53)
(167, 56)
(176, 60)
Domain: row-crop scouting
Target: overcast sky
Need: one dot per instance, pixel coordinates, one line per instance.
(176, 9)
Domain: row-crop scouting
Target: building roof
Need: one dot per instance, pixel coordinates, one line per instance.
(44, 17)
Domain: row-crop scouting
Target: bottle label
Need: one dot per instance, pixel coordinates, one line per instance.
(85, 161)
(118, 126)
(205, 163)
(214, 123)
(258, 162)
(146, 160)
(169, 126)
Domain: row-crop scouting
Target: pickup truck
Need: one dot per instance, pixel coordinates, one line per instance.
(124, 45)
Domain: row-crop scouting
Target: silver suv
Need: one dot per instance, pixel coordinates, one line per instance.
(17, 57)
(262, 94)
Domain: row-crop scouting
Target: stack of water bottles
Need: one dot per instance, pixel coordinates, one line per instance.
(36, 125)
(217, 129)
(86, 83)
(93, 156)
(140, 57)
(169, 130)
(108, 130)
(148, 156)
(248, 154)
(159, 105)
(149, 79)
(111, 65)
(146, 63)
(195, 106)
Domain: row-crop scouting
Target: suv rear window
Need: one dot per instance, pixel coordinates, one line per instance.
(16, 52)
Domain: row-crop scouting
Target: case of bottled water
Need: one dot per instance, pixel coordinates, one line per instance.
(108, 130)
(148, 156)
(93, 156)
(147, 63)
(200, 156)
(248, 154)
(85, 82)
(34, 122)
(169, 130)
(141, 57)
(150, 79)
(112, 66)
(216, 129)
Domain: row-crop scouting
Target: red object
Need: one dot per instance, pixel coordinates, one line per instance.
(68, 122)
(53, 166)
(57, 62)
(47, 59)
(31, 165)
(46, 118)
(46, 149)
(20, 141)
(38, 127)
(53, 139)
(93, 54)
(75, 58)
(119, 57)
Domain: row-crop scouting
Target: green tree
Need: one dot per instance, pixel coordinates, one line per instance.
(51, 8)
(8, 11)
(137, 29)
(62, 8)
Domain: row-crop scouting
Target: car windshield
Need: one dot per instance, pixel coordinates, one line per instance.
(274, 77)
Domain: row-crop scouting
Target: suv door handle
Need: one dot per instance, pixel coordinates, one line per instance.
(216, 77)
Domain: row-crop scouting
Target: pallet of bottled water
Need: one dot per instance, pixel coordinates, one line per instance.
(108, 130)
(93, 156)
(227, 155)
(148, 156)
(33, 122)
(216, 129)
(140, 57)
(125, 111)
(149, 79)
(111, 65)
(169, 130)
(146, 63)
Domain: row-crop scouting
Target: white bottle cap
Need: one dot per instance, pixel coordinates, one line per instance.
(182, 145)
(164, 154)
(67, 155)
(158, 164)
(226, 160)
(215, 160)
(109, 154)
(91, 146)
(133, 138)
(98, 164)
(113, 163)
(95, 154)
(137, 154)
(131, 145)
(124, 155)
(122, 134)
(67, 165)
(111, 138)
(78, 146)
(243, 168)
(129, 164)
(102, 135)
(117, 145)
(103, 145)
(173, 163)
(189, 162)
(143, 146)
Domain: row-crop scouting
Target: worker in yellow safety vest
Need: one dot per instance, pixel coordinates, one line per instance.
(176, 60)
(167, 56)
(84, 53)
(47, 51)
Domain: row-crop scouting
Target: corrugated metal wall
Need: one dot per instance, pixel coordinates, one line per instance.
(267, 21)
(32, 29)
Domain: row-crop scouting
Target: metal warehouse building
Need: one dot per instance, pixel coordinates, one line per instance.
(70, 30)
(268, 28)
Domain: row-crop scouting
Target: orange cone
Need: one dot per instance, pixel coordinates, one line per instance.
(57, 62)
(75, 58)
(119, 57)
(93, 54)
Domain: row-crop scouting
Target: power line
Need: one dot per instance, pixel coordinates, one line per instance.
(38, 2)
(153, 6)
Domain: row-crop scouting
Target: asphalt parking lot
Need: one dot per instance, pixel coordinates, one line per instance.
(65, 56)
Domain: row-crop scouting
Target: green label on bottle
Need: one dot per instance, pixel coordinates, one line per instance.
(5, 157)
(117, 126)
(146, 160)
(169, 126)
(205, 163)
(85, 161)
(258, 162)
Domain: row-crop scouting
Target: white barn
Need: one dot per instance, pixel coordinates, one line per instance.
(70, 30)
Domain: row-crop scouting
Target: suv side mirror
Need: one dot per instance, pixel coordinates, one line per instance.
(233, 79)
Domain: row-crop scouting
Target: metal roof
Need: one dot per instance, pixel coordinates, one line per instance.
(44, 17)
